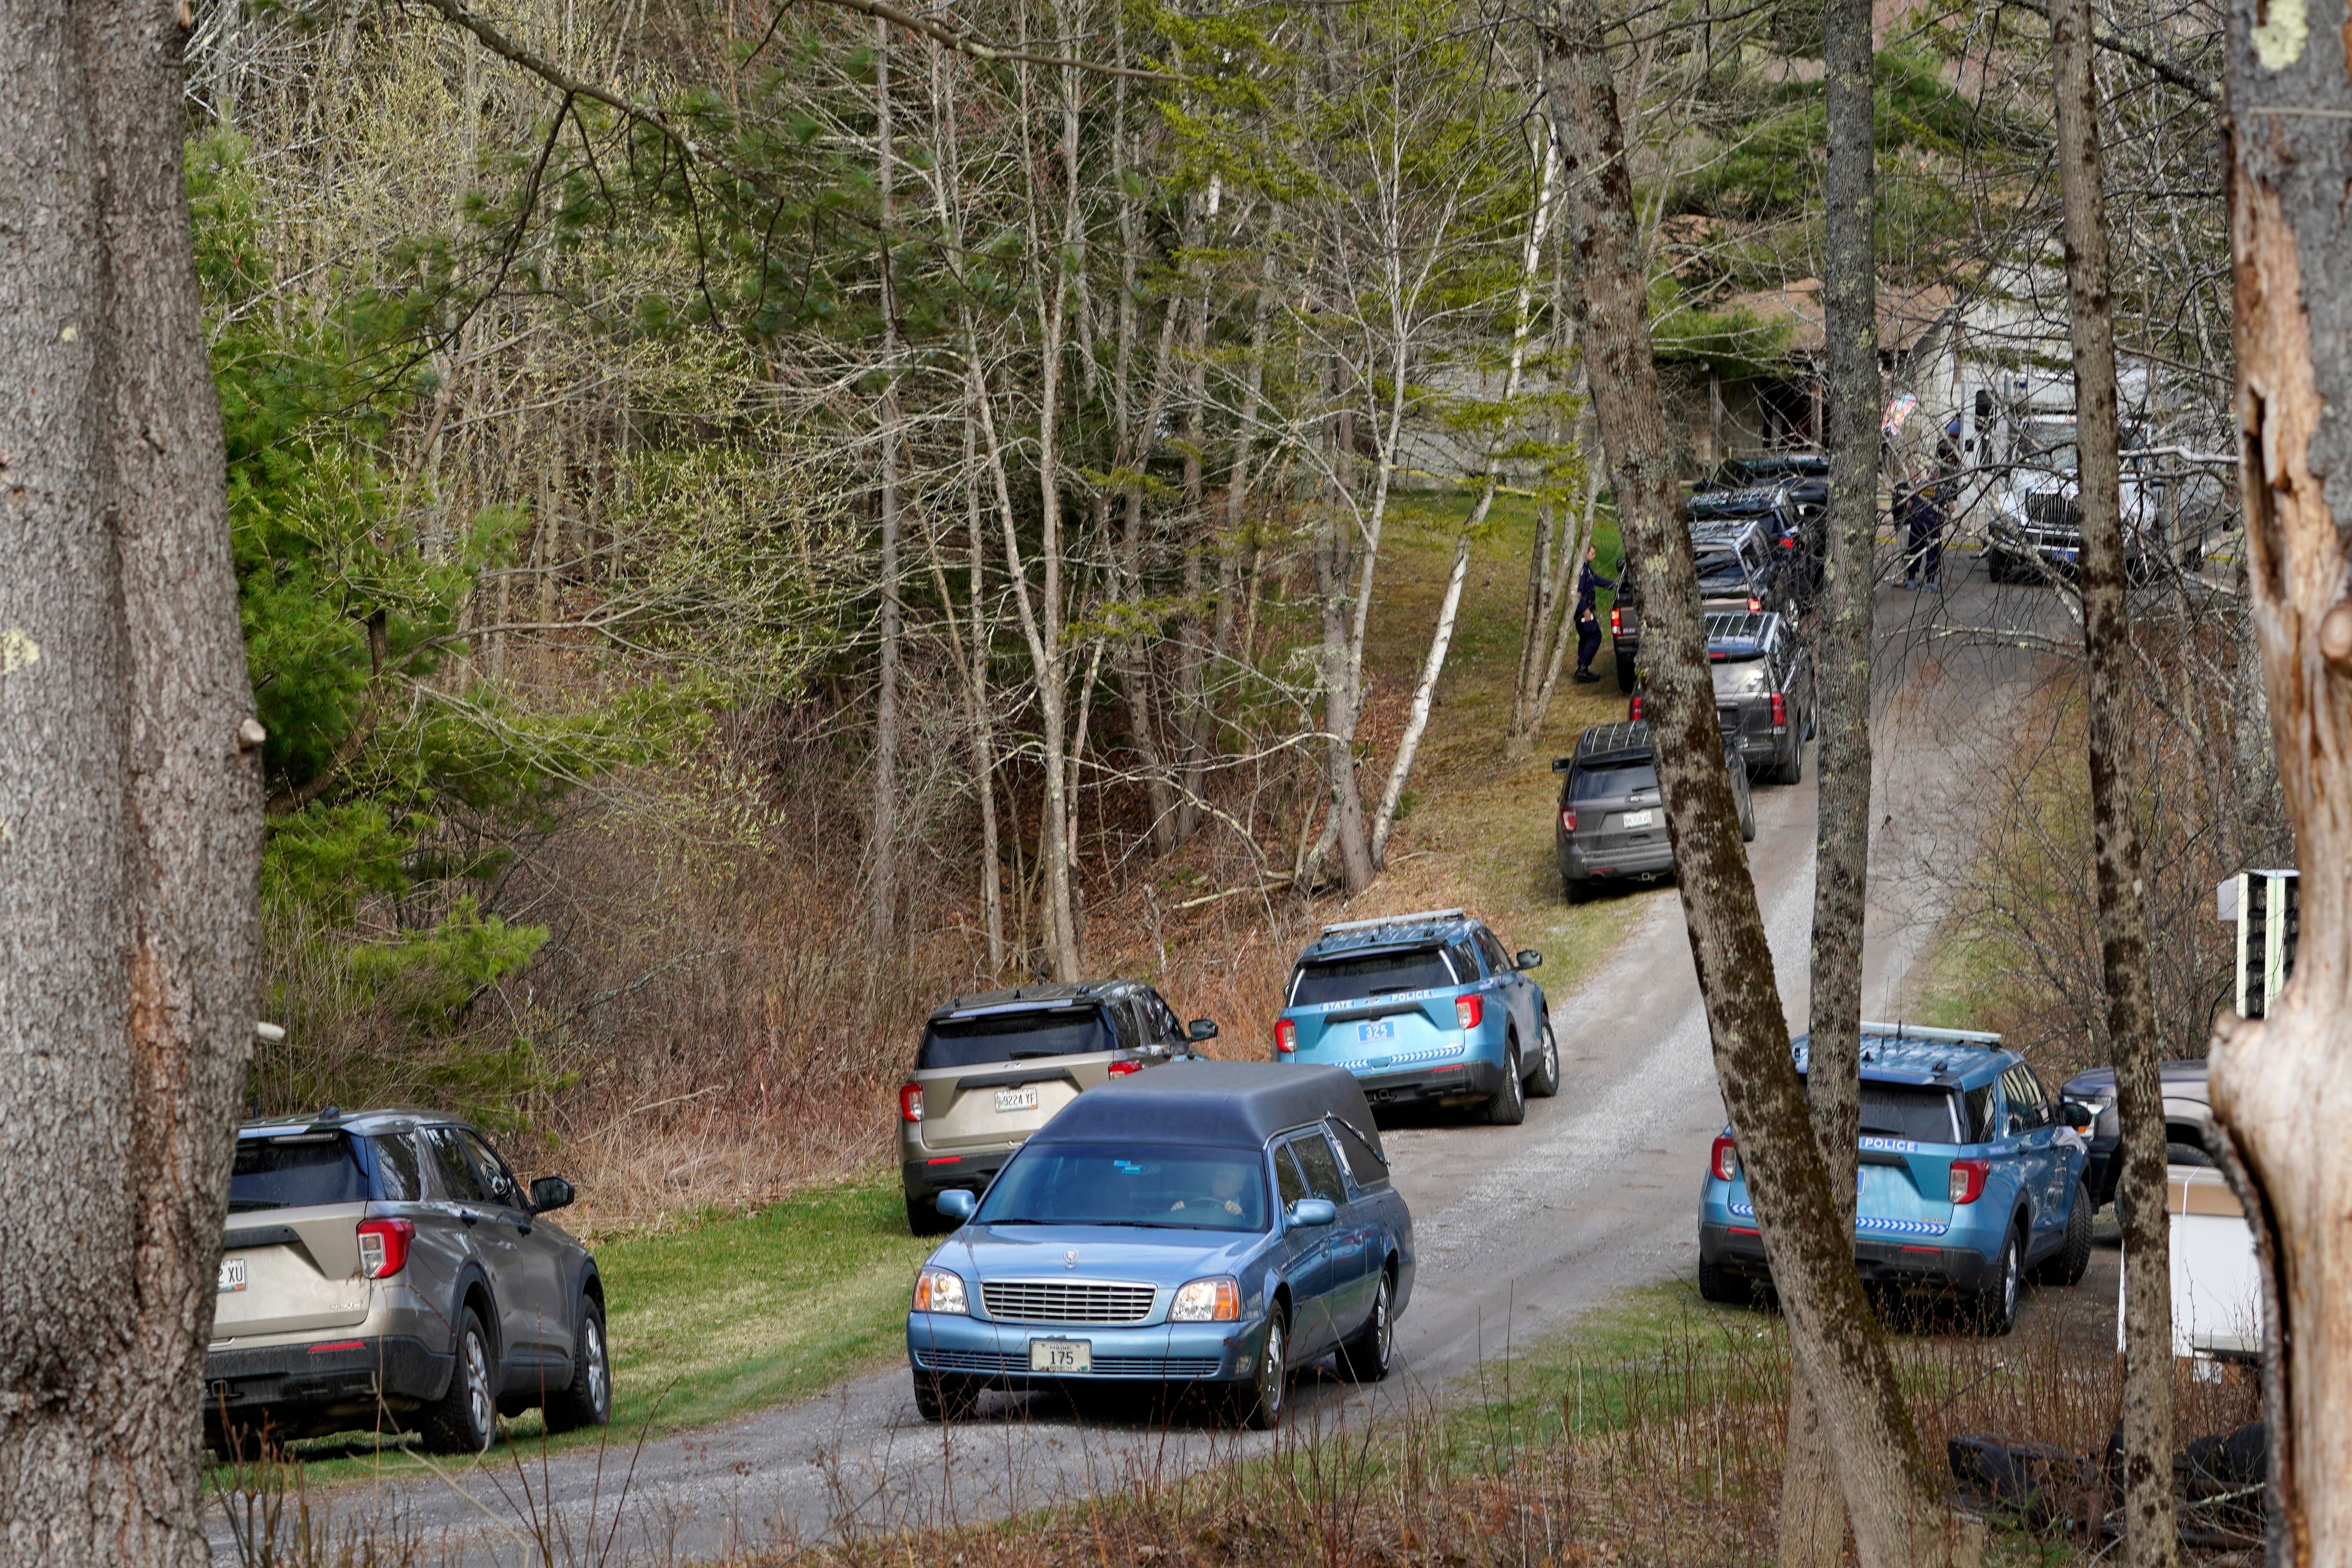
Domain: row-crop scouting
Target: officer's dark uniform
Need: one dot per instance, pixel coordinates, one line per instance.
(1589, 585)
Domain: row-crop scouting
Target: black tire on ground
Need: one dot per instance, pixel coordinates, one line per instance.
(1508, 1106)
(587, 1399)
(943, 1397)
(1791, 769)
(2065, 1266)
(1998, 568)
(1996, 1309)
(2187, 1154)
(1746, 816)
(924, 1218)
(1574, 891)
(1365, 1357)
(1624, 675)
(1265, 1400)
(240, 1443)
(1723, 1287)
(1544, 1082)
(465, 1419)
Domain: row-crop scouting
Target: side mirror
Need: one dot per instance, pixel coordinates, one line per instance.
(1314, 1211)
(1528, 958)
(2076, 1114)
(550, 1193)
(1201, 1029)
(2014, 1126)
(956, 1204)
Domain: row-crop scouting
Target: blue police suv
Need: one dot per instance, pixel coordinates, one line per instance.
(1219, 1224)
(1971, 1178)
(1426, 1007)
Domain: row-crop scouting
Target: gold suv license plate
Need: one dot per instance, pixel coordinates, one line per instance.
(231, 1274)
(1061, 1355)
(1016, 1100)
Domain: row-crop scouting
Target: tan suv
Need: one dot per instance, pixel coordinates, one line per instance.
(994, 1068)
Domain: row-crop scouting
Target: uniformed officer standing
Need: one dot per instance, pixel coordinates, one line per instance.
(1589, 583)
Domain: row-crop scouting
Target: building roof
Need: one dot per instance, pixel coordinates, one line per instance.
(1906, 315)
(1232, 1104)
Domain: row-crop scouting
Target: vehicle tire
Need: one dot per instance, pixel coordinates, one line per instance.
(1746, 817)
(466, 1418)
(1791, 769)
(1576, 891)
(1544, 1082)
(1365, 1358)
(2065, 1266)
(1996, 1309)
(1267, 1399)
(923, 1218)
(1724, 1287)
(587, 1399)
(1814, 718)
(2187, 1154)
(942, 1397)
(1998, 568)
(1625, 675)
(1508, 1106)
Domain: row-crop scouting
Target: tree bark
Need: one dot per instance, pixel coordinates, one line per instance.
(2283, 1085)
(2119, 863)
(1813, 1512)
(130, 802)
(1891, 1491)
(882, 891)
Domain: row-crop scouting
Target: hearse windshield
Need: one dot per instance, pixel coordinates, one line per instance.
(1014, 1036)
(1359, 976)
(1147, 1186)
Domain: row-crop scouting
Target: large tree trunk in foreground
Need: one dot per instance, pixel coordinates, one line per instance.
(1813, 1512)
(2283, 1087)
(130, 803)
(2120, 862)
(1891, 1491)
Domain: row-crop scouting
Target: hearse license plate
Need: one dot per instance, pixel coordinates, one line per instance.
(1016, 1100)
(1061, 1355)
(231, 1274)
(1637, 819)
(1383, 1029)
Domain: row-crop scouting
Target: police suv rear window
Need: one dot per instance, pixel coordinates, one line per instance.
(1721, 572)
(295, 1171)
(1921, 1115)
(1613, 779)
(1360, 975)
(1014, 1036)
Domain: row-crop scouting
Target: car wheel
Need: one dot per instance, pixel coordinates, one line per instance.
(1624, 675)
(1747, 814)
(1267, 1398)
(2187, 1154)
(1997, 567)
(587, 1399)
(2067, 1266)
(1508, 1106)
(1997, 1307)
(1791, 769)
(923, 1218)
(1721, 1285)
(1545, 1081)
(1365, 1358)
(466, 1418)
(1576, 890)
(940, 1397)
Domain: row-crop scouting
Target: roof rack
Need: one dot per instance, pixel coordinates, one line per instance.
(1903, 1031)
(1414, 919)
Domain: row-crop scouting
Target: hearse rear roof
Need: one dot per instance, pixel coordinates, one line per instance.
(1233, 1104)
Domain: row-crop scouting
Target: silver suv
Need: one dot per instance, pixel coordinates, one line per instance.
(387, 1272)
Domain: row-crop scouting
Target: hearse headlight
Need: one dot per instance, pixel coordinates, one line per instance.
(941, 1290)
(1217, 1300)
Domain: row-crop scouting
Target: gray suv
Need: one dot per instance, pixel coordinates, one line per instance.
(1764, 697)
(1611, 822)
(387, 1271)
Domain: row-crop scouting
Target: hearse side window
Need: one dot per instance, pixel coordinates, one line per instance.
(295, 1172)
(1014, 1036)
(1360, 975)
(1592, 783)
(1321, 1170)
(1922, 1114)
(1286, 1179)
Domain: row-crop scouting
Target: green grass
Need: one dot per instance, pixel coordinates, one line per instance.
(728, 1314)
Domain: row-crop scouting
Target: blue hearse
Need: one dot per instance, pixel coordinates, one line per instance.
(1427, 1006)
(1971, 1178)
(1220, 1223)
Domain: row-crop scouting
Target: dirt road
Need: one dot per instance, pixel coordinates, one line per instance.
(1521, 1228)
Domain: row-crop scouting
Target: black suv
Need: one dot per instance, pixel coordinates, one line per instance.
(1790, 505)
(1611, 822)
(1742, 566)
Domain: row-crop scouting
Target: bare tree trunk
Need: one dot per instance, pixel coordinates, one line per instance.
(2283, 1085)
(883, 890)
(1813, 1512)
(1890, 1490)
(131, 832)
(2120, 862)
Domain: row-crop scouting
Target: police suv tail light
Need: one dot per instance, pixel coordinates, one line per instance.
(1616, 623)
(1633, 707)
(384, 1246)
(1213, 1300)
(910, 1102)
(1967, 1182)
(1469, 1010)
(1121, 1069)
(1286, 1036)
(1780, 710)
(1755, 605)
(1724, 1159)
(1568, 819)
(941, 1290)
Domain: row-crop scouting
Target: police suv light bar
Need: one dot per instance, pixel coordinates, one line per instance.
(1920, 1032)
(1414, 919)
